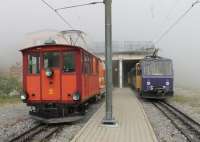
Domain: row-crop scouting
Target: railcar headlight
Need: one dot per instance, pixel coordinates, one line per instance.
(167, 83)
(151, 87)
(76, 96)
(148, 83)
(23, 96)
(49, 72)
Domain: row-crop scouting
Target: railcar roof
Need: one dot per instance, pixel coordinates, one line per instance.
(45, 45)
(57, 45)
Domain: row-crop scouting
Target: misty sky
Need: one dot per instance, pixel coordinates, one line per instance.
(134, 20)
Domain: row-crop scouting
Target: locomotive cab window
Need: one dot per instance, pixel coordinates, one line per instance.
(69, 62)
(51, 60)
(34, 63)
(161, 67)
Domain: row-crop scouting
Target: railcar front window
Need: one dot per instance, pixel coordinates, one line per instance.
(158, 68)
(69, 62)
(34, 63)
(51, 60)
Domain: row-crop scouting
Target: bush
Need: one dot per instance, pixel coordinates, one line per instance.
(9, 84)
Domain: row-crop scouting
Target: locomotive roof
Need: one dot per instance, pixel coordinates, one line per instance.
(152, 58)
(56, 45)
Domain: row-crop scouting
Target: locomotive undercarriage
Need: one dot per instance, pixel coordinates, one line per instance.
(158, 94)
(58, 110)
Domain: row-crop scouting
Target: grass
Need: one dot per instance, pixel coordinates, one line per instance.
(9, 100)
(9, 90)
(193, 101)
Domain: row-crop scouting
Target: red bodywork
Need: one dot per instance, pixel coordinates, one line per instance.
(61, 86)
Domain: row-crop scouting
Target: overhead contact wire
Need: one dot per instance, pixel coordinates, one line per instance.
(176, 22)
(58, 14)
(79, 5)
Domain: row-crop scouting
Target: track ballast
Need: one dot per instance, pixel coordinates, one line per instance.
(39, 133)
(186, 125)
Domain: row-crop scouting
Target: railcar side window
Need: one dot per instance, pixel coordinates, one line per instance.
(51, 59)
(88, 64)
(34, 63)
(69, 62)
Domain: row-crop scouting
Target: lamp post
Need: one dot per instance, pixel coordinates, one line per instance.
(108, 119)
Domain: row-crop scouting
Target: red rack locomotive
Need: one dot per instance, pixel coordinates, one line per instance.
(59, 80)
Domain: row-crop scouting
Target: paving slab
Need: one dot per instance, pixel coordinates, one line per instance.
(132, 122)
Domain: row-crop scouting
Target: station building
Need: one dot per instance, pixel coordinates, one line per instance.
(125, 55)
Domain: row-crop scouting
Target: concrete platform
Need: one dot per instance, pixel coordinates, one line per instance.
(133, 125)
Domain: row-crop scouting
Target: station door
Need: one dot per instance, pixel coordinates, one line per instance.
(115, 74)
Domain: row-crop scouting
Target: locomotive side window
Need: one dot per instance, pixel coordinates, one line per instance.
(69, 62)
(51, 59)
(34, 63)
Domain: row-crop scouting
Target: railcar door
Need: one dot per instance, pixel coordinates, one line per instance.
(138, 78)
(69, 75)
(33, 76)
(51, 76)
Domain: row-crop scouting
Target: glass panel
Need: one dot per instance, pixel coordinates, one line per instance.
(158, 68)
(51, 59)
(34, 63)
(69, 62)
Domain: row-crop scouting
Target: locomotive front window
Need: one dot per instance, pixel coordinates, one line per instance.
(69, 62)
(158, 68)
(51, 59)
(34, 63)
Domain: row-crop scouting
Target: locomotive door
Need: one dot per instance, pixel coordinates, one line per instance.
(51, 77)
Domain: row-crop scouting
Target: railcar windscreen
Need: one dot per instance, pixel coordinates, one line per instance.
(157, 68)
(69, 62)
(51, 59)
(34, 63)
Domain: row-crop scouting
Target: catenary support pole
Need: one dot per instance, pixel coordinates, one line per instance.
(108, 119)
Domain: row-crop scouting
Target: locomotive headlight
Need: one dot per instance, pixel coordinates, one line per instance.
(167, 83)
(151, 87)
(148, 83)
(49, 72)
(76, 96)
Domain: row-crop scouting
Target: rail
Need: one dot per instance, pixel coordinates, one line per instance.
(33, 133)
(185, 124)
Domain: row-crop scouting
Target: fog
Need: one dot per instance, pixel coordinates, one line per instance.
(133, 20)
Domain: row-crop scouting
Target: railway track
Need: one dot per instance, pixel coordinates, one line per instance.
(39, 133)
(186, 125)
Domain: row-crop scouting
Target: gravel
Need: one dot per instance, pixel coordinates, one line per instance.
(14, 120)
(69, 131)
(164, 130)
(186, 100)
